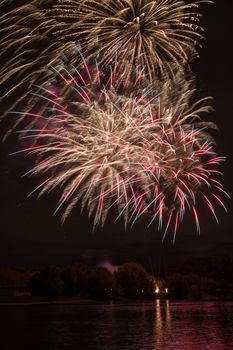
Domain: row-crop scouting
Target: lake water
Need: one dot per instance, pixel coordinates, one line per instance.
(158, 325)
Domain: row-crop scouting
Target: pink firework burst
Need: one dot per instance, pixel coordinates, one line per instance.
(130, 154)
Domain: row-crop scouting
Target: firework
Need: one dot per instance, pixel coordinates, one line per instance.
(91, 75)
(140, 34)
(123, 138)
(27, 50)
(129, 154)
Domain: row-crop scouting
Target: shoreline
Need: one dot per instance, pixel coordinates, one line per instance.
(15, 301)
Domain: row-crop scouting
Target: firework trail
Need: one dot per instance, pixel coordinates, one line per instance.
(27, 50)
(176, 92)
(155, 37)
(141, 34)
(130, 154)
(124, 138)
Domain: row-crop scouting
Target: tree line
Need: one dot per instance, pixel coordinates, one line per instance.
(202, 278)
(130, 281)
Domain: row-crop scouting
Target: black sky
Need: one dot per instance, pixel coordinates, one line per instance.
(32, 236)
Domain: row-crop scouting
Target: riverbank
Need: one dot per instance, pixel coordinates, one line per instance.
(72, 300)
(27, 300)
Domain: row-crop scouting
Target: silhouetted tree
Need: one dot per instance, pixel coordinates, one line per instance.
(178, 286)
(102, 285)
(208, 285)
(134, 281)
(191, 286)
(74, 280)
(219, 267)
(46, 283)
(10, 276)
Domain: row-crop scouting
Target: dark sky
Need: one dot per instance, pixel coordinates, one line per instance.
(32, 236)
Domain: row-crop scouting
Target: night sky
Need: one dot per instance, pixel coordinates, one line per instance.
(32, 236)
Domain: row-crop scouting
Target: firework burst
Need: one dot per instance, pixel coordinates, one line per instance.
(99, 135)
(27, 49)
(130, 154)
(140, 34)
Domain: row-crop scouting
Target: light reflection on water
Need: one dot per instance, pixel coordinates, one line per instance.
(158, 325)
(162, 324)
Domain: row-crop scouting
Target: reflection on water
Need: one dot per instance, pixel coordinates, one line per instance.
(159, 325)
(162, 323)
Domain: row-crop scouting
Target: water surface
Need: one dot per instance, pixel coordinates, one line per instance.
(158, 325)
